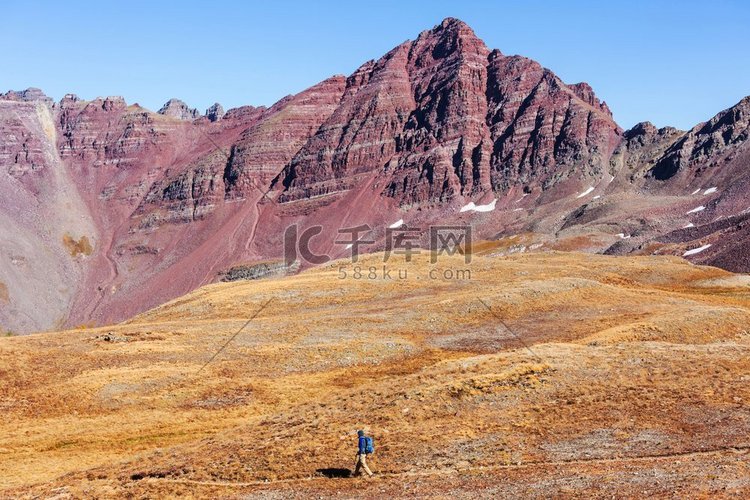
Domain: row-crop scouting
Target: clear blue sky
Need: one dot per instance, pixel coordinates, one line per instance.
(674, 63)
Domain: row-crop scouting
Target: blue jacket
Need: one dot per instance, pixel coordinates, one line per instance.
(362, 445)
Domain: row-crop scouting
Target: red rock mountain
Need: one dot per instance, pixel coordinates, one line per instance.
(109, 209)
(443, 117)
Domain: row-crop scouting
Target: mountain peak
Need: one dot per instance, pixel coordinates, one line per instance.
(454, 29)
(453, 23)
(215, 112)
(29, 95)
(178, 109)
(450, 36)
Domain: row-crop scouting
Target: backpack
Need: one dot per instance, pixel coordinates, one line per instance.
(369, 447)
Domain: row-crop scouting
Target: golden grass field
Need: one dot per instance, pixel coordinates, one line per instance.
(619, 376)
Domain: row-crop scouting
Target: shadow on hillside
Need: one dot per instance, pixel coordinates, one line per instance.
(334, 472)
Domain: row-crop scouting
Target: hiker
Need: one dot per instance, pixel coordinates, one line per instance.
(365, 448)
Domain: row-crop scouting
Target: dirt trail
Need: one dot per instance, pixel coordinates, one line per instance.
(736, 450)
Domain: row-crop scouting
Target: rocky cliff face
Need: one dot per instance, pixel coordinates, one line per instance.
(110, 209)
(443, 116)
(264, 150)
(175, 108)
(215, 112)
(45, 227)
(707, 145)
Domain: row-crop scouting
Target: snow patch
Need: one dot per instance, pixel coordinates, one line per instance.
(696, 250)
(585, 192)
(623, 236)
(696, 191)
(710, 190)
(522, 197)
(596, 197)
(396, 224)
(697, 209)
(479, 208)
(517, 209)
(486, 208)
(689, 225)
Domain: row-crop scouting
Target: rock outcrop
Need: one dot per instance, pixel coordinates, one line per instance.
(706, 145)
(642, 145)
(215, 112)
(175, 108)
(264, 149)
(28, 95)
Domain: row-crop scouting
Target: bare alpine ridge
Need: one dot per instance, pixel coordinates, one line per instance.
(110, 209)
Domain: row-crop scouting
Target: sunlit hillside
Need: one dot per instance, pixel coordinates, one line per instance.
(541, 374)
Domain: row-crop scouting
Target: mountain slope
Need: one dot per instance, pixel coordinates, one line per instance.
(586, 373)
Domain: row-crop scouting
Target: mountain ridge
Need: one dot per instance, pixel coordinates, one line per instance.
(165, 202)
